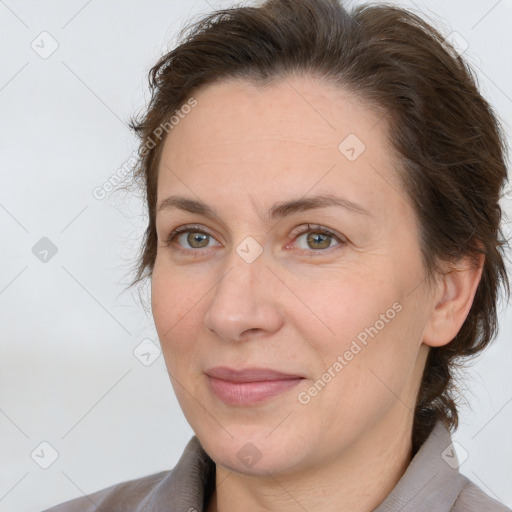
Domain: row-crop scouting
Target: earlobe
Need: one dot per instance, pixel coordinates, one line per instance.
(452, 301)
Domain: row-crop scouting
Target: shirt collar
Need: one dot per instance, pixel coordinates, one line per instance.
(431, 482)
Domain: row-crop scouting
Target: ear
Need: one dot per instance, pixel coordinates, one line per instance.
(452, 300)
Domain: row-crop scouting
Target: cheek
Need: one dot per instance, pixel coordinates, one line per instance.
(367, 328)
(176, 313)
(349, 307)
(175, 304)
(379, 358)
(163, 302)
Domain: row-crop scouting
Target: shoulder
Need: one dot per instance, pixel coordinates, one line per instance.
(433, 482)
(182, 488)
(130, 495)
(473, 499)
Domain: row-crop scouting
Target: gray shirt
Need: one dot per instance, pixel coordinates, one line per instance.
(431, 483)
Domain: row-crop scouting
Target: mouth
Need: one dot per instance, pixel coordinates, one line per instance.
(249, 386)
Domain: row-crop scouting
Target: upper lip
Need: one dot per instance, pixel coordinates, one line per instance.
(249, 374)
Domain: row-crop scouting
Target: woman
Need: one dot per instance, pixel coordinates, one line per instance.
(323, 246)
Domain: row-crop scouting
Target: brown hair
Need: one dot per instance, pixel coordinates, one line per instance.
(448, 141)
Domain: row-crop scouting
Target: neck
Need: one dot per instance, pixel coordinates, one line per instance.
(356, 481)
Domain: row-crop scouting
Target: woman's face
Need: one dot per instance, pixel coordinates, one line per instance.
(254, 287)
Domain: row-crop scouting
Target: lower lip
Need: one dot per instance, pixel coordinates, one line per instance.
(247, 393)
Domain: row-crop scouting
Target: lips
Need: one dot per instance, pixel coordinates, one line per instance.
(249, 374)
(249, 386)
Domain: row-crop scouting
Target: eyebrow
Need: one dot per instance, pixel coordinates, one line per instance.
(277, 210)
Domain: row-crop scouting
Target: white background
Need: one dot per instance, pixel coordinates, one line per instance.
(68, 373)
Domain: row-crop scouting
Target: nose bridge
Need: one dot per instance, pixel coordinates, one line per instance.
(242, 298)
(246, 267)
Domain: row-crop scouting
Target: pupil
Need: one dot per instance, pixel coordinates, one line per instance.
(196, 238)
(317, 239)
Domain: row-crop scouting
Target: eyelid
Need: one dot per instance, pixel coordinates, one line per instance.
(296, 232)
(317, 228)
(195, 228)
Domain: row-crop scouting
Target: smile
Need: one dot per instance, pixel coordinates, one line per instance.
(250, 385)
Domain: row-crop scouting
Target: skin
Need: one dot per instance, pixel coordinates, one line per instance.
(299, 304)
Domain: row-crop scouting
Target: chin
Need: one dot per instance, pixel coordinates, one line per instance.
(253, 451)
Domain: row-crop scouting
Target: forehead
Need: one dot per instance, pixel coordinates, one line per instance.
(283, 139)
(292, 109)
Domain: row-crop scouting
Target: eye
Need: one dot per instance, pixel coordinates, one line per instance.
(195, 237)
(318, 238)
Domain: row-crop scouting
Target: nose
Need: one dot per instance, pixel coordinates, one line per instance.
(244, 303)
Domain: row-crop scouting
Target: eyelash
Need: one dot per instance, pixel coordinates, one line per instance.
(310, 229)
